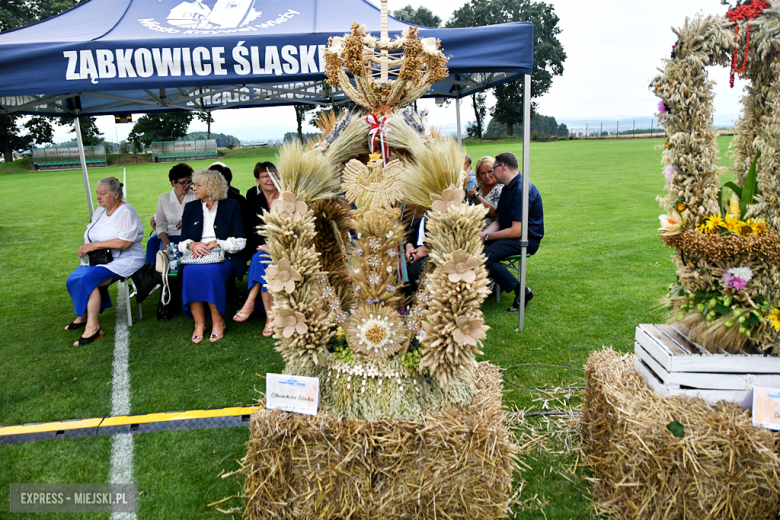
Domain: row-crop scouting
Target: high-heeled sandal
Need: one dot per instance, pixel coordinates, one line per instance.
(196, 338)
(242, 315)
(216, 337)
(74, 325)
(86, 341)
(268, 331)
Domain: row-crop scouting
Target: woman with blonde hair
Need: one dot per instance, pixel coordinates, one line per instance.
(488, 189)
(112, 250)
(210, 225)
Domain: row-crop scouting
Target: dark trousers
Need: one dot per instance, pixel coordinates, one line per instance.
(501, 249)
(414, 271)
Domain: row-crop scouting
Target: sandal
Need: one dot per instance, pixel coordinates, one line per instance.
(216, 337)
(74, 325)
(197, 339)
(86, 341)
(268, 331)
(242, 315)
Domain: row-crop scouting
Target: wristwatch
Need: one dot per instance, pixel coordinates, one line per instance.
(486, 236)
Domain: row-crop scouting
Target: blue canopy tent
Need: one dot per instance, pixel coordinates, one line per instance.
(113, 57)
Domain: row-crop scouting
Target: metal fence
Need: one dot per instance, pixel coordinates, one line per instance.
(173, 151)
(65, 158)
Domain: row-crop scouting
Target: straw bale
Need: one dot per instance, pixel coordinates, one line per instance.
(723, 466)
(457, 462)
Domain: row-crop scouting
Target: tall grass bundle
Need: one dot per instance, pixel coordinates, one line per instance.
(435, 168)
(305, 174)
(349, 139)
(722, 467)
(456, 463)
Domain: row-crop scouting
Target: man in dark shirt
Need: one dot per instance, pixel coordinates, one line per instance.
(501, 239)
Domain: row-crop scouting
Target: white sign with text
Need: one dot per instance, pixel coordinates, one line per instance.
(292, 393)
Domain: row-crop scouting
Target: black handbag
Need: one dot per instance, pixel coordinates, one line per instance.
(100, 257)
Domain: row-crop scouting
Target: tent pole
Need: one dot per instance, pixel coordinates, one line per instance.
(83, 161)
(457, 116)
(526, 172)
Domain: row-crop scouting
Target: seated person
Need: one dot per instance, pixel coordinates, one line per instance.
(501, 239)
(488, 189)
(209, 222)
(234, 194)
(416, 252)
(471, 178)
(170, 206)
(115, 226)
(258, 200)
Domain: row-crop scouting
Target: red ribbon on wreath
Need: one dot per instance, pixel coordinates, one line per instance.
(743, 12)
(378, 128)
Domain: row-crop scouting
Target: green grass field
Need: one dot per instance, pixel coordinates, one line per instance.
(598, 273)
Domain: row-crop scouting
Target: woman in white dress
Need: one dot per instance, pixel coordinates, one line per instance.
(115, 226)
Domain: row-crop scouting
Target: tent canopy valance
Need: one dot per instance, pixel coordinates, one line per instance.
(125, 56)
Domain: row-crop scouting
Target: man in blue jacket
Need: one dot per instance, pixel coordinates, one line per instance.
(501, 239)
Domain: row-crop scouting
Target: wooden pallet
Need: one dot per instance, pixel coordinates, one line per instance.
(673, 365)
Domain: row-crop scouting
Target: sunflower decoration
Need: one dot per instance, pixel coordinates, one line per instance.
(375, 332)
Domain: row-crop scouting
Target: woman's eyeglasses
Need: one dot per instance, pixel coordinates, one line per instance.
(184, 183)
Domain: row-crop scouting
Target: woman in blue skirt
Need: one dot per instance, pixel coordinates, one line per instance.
(116, 227)
(210, 222)
(259, 199)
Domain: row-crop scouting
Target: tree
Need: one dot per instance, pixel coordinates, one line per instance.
(37, 130)
(168, 126)
(300, 115)
(205, 116)
(18, 13)
(421, 16)
(548, 51)
(90, 135)
(475, 128)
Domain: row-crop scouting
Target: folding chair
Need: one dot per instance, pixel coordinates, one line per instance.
(128, 285)
(513, 264)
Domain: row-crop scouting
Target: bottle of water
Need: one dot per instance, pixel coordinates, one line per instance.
(173, 255)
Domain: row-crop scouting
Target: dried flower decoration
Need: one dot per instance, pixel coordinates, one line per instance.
(670, 172)
(461, 267)
(450, 197)
(282, 277)
(290, 321)
(737, 277)
(375, 332)
(469, 330)
(673, 224)
(287, 207)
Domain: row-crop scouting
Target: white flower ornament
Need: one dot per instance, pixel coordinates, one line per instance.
(282, 277)
(461, 267)
(287, 207)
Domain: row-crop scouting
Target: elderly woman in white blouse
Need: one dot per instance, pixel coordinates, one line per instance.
(211, 222)
(170, 206)
(112, 250)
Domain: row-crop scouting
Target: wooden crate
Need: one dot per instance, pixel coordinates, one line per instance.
(673, 365)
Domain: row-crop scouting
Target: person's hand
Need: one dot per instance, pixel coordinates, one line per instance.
(153, 221)
(165, 244)
(472, 192)
(482, 237)
(199, 249)
(262, 247)
(213, 244)
(410, 250)
(420, 252)
(85, 249)
(178, 224)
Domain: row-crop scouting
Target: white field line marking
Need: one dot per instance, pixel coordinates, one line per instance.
(121, 471)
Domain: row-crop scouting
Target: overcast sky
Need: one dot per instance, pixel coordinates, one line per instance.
(613, 48)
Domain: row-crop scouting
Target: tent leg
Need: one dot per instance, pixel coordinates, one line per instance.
(526, 172)
(457, 116)
(83, 161)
